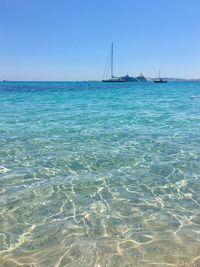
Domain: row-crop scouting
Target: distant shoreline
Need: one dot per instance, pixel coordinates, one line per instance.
(150, 80)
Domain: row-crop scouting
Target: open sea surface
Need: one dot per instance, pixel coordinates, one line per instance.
(99, 175)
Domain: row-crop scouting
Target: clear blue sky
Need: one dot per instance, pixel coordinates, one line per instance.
(69, 39)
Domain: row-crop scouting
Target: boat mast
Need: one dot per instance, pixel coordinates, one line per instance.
(111, 60)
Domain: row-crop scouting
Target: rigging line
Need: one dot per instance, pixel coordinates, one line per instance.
(106, 66)
(106, 69)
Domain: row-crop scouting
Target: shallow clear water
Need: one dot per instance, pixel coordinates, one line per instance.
(95, 174)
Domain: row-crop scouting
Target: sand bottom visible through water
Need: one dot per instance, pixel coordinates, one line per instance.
(99, 175)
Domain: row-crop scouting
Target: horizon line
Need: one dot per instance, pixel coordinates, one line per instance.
(151, 79)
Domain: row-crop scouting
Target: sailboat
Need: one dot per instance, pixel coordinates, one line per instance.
(110, 65)
(160, 80)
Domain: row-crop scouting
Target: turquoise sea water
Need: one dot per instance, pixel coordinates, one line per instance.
(95, 174)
